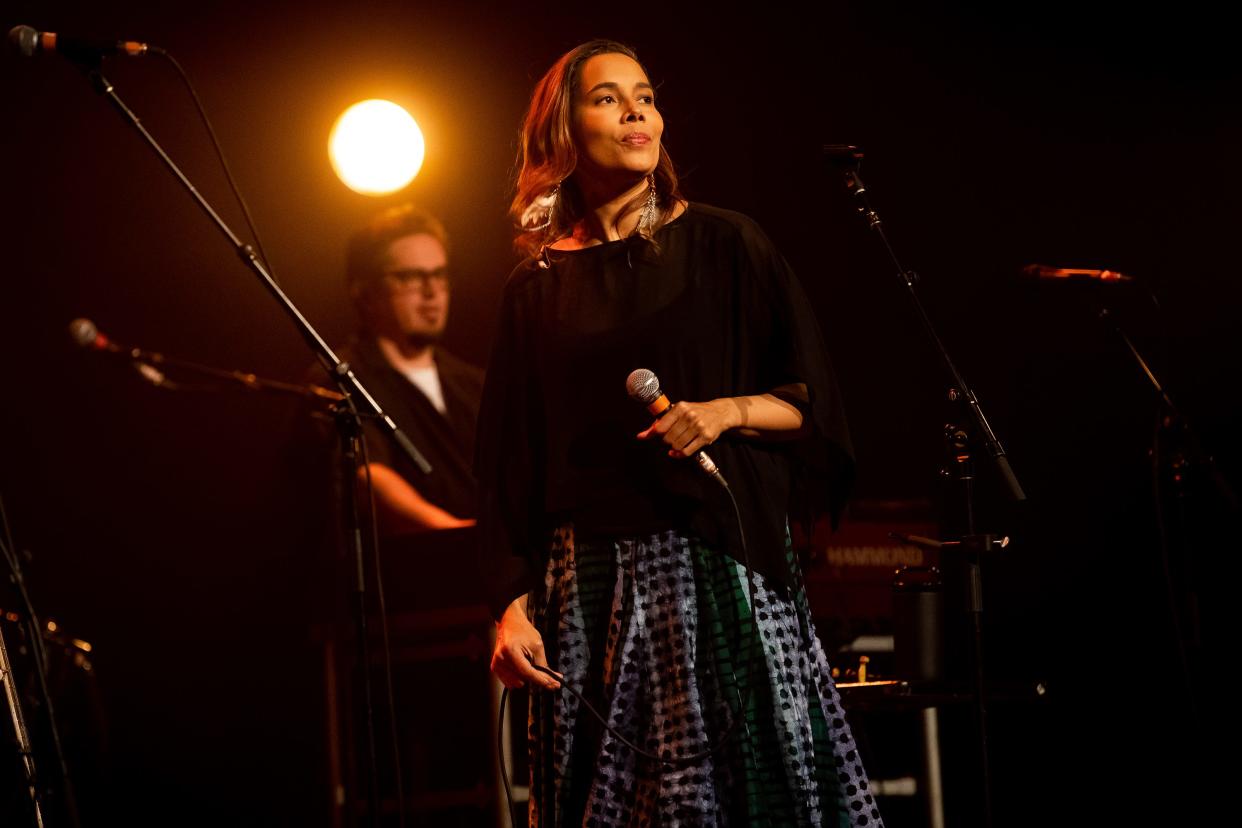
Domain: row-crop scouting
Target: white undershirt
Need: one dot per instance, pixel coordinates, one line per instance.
(428, 381)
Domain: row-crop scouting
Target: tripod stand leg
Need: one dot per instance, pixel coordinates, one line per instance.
(24, 747)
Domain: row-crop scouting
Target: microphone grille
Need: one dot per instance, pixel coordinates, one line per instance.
(643, 386)
(24, 40)
(84, 332)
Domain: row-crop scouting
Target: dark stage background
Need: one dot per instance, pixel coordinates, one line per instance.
(165, 528)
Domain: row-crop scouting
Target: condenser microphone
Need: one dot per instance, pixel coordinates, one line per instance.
(30, 42)
(644, 387)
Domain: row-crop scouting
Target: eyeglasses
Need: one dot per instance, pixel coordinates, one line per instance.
(407, 278)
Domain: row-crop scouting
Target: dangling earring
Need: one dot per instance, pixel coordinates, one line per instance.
(647, 220)
(538, 216)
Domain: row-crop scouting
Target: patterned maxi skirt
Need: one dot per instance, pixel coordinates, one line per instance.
(657, 633)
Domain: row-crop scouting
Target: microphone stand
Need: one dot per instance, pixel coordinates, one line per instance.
(848, 159)
(1177, 464)
(347, 420)
(357, 400)
(38, 657)
(142, 357)
(25, 748)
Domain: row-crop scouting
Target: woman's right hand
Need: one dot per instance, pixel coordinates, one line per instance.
(518, 647)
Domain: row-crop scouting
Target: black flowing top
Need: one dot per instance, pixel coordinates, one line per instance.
(714, 312)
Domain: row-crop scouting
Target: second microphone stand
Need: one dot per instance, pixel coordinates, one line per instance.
(847, 160)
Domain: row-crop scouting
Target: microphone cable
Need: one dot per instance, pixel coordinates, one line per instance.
(224, 164)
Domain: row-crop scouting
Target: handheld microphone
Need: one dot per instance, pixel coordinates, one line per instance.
(644, 387)
(30, 42)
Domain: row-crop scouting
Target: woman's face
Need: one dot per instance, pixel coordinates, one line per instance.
(617, 127)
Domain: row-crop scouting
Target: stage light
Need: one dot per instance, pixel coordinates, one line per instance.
(376, 147)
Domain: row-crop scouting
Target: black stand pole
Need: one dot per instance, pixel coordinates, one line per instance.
(38, 657)
(1177, 463)
(349, 429)
(847, 160)
(359, 400)
(22, 736)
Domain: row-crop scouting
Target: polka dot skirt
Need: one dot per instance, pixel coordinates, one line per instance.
(657, 633)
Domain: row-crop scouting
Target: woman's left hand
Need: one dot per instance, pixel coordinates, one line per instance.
(689, 426)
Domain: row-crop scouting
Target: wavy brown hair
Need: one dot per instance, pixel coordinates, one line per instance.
(547, 155)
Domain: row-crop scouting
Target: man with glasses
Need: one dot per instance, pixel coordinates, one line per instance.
(398, 278)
